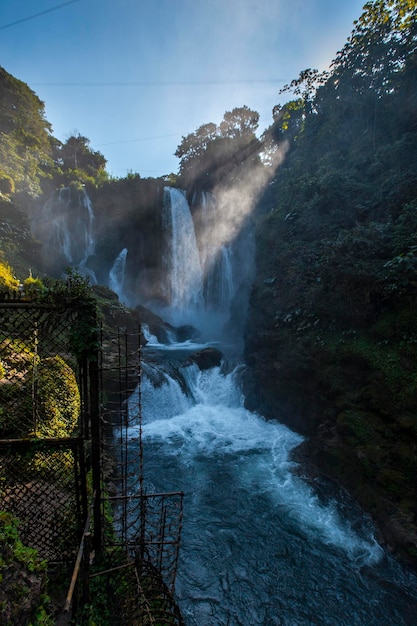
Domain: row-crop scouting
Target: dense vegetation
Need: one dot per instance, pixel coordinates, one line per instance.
(23, 578)
(332, 337)
(215, 155)
(32, 160)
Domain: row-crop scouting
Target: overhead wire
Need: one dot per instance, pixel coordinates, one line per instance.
(155, 83)
(31, 17)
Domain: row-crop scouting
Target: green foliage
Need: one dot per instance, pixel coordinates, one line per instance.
(8, 282)
(72, 288)
(25, 140)
(213, 153)
(32, 159)
(22, 578)
(78, 164)
(85, 338)
(17, 244)
(60, 398)
(109, 593)
(332, 334)
(15, 550)
(33, 285)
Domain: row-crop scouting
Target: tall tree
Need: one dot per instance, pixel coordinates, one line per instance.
(213, 152)
(77, 159)
(25, 134)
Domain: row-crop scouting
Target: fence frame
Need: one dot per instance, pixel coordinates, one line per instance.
(85, 446)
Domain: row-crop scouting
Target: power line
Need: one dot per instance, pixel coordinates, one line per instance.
(31, 17)
(113, 143)
(154, 83)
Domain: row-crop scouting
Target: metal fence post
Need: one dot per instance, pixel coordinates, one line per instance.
(95, 451)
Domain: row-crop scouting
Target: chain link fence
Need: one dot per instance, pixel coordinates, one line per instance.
(42, 464)
(62, 414)
(42, 487)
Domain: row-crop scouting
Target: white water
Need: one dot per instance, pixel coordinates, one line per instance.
(201, 277)
(260, 546)
(216, 257)
(185, 273)
(150, 338)
(117, 276)
(212, 422)
(66, 230)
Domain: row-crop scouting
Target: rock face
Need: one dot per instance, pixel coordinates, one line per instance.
(207, 358)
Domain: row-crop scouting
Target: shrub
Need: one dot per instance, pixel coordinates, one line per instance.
(8, 282)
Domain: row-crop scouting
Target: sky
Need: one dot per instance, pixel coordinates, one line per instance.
(135, 76)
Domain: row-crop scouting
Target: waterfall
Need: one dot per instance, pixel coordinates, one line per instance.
(216, 256)
(219, 283)
(117, 276)
(185, 276)
(205, 270)
(65, 228)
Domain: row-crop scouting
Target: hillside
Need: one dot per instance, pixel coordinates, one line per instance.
(331, 337)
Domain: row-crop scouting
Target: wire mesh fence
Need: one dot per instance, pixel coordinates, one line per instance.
(37, 370)
(61, 415)
(42, 466)
(148, 525)
(41, 485)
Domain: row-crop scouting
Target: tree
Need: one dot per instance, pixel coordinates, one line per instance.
(25, 135)
(306, 86)
(77, 158)
(240, 122)
(383, 40)
(213, 152)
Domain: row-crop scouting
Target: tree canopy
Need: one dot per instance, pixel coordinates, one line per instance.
(31, 158)
(78, 161)
(213, 152)
(25, 135)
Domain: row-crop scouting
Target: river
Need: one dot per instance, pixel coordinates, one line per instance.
(260, 545)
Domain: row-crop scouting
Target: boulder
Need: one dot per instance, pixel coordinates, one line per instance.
(207, 358)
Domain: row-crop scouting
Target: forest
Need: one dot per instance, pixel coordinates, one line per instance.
(331, 335)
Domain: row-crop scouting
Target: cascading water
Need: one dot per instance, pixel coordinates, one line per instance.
(219, 283)
(117, 276)
(216, 256)
(184, 271)
(206, 267)
(65, 227)
(260, 546)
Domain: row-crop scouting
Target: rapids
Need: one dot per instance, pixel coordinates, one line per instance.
(260, 546)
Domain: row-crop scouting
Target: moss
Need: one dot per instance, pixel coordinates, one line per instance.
(60, 398)
(23, 578)
(8, 282)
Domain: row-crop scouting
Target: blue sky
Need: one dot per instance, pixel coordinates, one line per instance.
(135, 75)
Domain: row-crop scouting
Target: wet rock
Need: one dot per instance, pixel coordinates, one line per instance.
(183, 333)
(207, 358)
